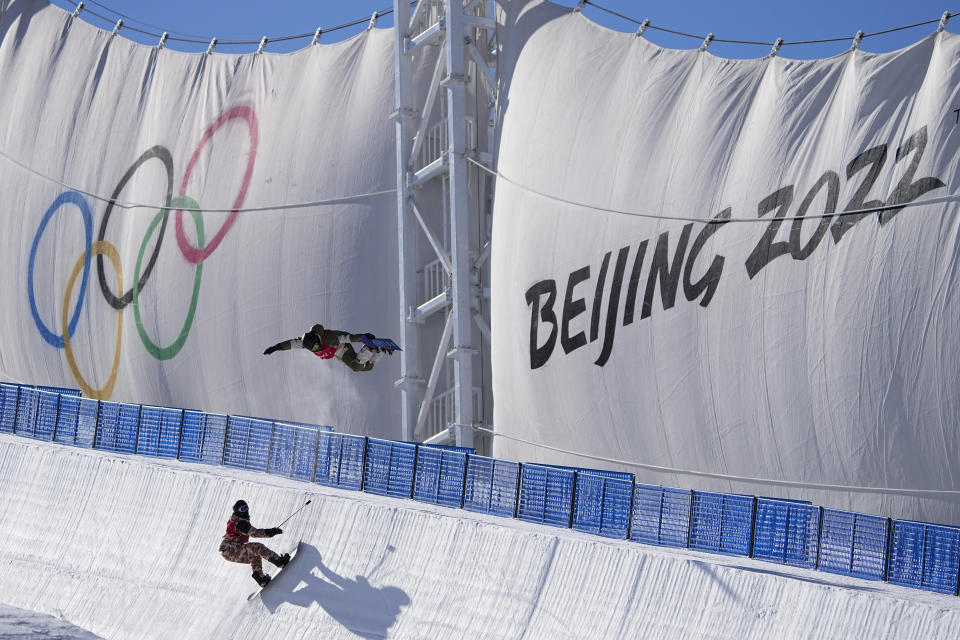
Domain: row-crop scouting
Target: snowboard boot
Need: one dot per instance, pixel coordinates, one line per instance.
(281, 561)
(369, 354)
(261, 578)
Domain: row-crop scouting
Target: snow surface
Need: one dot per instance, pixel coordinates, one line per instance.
(126, 547)
(19, 624)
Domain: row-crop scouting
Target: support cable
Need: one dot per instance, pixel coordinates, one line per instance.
(194, 39)
(646, 25)
(642, 24)
(653, 216)
(155, 207)
(717, 476)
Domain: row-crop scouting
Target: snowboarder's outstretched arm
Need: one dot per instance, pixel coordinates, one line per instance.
(244, 527)
(286, 345)
(265, 533)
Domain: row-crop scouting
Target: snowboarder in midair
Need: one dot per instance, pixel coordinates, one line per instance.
(235, 548)
(330, 343)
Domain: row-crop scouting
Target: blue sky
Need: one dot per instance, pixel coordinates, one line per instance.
(753, 20)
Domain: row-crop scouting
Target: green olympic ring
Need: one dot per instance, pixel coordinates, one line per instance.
(165, 353)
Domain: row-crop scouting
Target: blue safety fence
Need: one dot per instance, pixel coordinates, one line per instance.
(8, 407)
(606, 503)
(203, 437)
(440, 475)
(853, 544)
(601, 502)
(388, 469)
(340, 460)
(546, 494)
(48, 406)
(293, 452)
(27, 404)
(64, 416)
(661, 515)
(248, 443)
(76, 421)
(787, 532)
(491, 486)
(160, 430)
(722, 523)
(924, 556)
(117, 427)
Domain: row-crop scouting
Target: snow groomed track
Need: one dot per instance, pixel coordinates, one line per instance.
(602, 502)
(125, 547)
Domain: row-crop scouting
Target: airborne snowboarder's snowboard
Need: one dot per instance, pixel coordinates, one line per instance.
(293, 554)
(381, 343)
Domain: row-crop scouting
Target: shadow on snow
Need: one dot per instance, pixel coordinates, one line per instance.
(364, 609)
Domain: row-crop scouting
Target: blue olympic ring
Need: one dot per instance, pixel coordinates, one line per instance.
(76, 199)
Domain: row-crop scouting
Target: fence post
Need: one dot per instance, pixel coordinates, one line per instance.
(16, 410)
(723, 508)
(516, 492)
(816, 560)
(363, 461)
(660, 517)
(36, 414)
(180, 434)
(436, 488)
(56, 419)
(76, 421)
(573, 500)
(493, 468)
(96, 425)
(223, 448)
(416, 457)
(786, 536)
(886, 562)
(463, 485)
(136, 437)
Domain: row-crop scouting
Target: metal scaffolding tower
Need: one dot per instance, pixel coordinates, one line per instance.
(443, 214)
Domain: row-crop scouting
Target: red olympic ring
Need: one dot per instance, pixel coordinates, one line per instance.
(190, 252)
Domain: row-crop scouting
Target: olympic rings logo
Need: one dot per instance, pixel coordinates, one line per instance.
(102, 248)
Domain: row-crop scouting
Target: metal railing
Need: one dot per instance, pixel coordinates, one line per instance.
(272, 446)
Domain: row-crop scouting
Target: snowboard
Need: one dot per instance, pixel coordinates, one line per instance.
(293, 554)
(381, 343)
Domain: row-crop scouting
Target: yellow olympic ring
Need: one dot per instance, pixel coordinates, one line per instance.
(101, 247)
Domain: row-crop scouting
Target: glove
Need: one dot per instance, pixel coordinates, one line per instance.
(270, 350)
(275, 531)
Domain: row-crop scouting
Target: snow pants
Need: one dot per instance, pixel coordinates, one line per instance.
(251, 553)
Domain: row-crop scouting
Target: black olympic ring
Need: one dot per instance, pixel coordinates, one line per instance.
(163, 154)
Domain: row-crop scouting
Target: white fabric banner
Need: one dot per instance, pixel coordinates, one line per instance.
(84, 113)
(784, 341)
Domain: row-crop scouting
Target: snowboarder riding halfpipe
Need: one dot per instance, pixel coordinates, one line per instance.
(234, 546)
